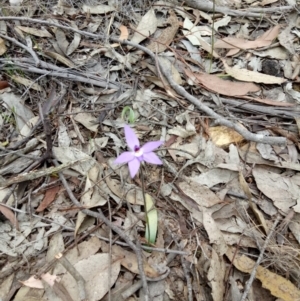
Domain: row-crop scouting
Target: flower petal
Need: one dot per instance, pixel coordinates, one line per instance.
(134, 166)
(125, 158)
(131, 138)
(152, 158)
(150, 146)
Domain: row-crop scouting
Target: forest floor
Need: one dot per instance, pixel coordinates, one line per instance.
(200, 99)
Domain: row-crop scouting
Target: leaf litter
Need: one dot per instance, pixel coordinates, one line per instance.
(218, 84)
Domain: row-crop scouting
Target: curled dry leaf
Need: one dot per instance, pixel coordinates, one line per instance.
(251, 76)
(48, 198)
(221, 86)
(283, 190)
(277, 285)
(27, 83)
(96, 271)
(9, 215)
(166, 36)
(3, 84)
(2, 46)
(98, 9)
(43, 33)
(129, 261)
(215, 276)
(222, 136)
(264, 40)
(60, 58)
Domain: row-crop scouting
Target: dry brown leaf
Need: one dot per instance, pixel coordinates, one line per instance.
(252, 76)
(43, 33)
(81, 251)
(3, 84)
(166, 36)
(61, 40)
(277, 285)
(124, 32)
(201, 195)
(33, 282)
(216, 275)
(10, 216)
(166, 64)
(270, 102)
(222, 136)
(256, 211)
(129, 261)
(60, 58)
(123, 36)
(3, 48)
(214, 233)
(267, 2)
(27, 83)
(264, 40)
(76, 40)
(221, 86)
(48, 198)
(297, 119)
(130, 192)
(255, 158)
(283, 190)
(96, 271)
(86, 202)
(286, 38)
(88, 120)
(98, 9)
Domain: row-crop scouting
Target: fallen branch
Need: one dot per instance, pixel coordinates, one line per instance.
(47, 69)
(28, 49)
(250, 12)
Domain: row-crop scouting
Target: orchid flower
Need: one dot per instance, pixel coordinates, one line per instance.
(138, 154)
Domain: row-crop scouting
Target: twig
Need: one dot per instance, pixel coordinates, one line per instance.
(273, 111)
(28, 49)
(259, 259)
(136, 286)
(29, 176)
(74, 273)
(63, 73)
(146, 248)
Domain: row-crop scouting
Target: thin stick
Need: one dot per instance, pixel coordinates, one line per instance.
(259, 259)
(74, 273)
(28, 49)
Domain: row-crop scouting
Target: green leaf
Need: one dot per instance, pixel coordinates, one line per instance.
(152, 220)
(128, 113)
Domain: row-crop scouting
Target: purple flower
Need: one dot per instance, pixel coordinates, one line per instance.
(137, 153)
